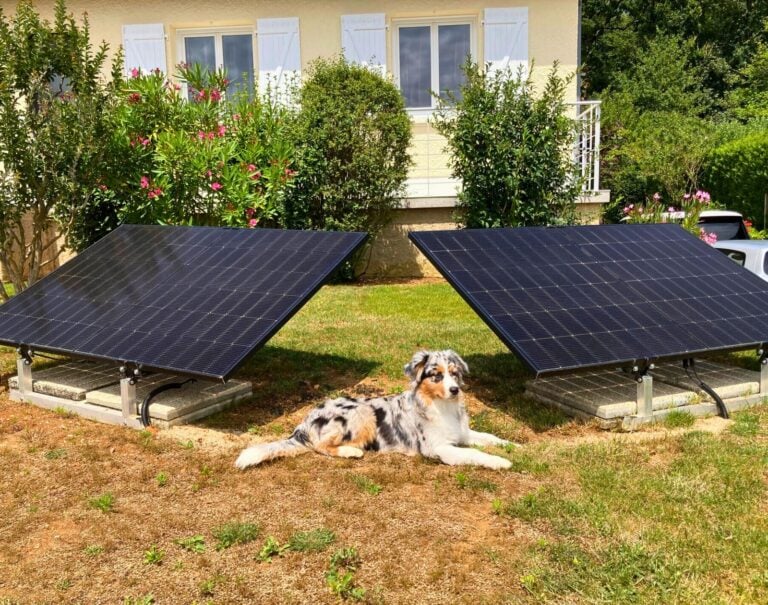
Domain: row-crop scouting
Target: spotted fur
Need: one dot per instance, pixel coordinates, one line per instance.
(430, 419)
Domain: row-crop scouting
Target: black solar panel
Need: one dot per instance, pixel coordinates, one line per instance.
(192, 300)
(581, 297)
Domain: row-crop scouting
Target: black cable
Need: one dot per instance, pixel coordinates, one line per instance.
(705, 387)
(144, 414)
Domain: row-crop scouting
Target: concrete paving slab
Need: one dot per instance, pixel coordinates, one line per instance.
(174, 403)
(92, 389)
(606, 395)
(727, 381)
(71, 380)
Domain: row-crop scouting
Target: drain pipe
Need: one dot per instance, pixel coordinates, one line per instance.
(154, 393)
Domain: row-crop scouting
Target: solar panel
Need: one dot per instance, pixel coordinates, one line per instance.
(192, 300)
(573, 298)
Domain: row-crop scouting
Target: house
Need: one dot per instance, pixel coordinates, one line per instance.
(420, 43)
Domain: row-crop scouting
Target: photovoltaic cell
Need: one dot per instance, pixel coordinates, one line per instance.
(571, 298)
(191, 300)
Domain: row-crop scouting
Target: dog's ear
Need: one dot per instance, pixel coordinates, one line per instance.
(454, 358)
(416, 365)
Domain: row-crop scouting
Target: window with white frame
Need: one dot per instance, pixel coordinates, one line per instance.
(230, 48)
(429, 56)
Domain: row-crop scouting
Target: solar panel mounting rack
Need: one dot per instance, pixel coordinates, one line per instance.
(566, 299)
(195, 301)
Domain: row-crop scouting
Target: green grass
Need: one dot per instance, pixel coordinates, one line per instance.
(194, 544)
(330, 345)
(315, 540)
(235, 532)
(154, 555)
(364, 484)
(104, 502)
(625, 523)
(677, 419)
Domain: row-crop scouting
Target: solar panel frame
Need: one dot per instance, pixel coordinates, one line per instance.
(560, 270)
(98, 306)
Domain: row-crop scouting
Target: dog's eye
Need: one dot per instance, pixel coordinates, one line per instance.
(437, 377)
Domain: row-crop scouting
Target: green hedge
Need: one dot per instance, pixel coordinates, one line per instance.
(736, 174)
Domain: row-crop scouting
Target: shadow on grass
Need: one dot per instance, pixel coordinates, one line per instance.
(285, 380)
(499, 381)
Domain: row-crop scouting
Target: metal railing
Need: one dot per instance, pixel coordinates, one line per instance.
(586, 150)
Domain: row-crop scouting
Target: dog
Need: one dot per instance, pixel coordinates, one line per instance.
(430, 419)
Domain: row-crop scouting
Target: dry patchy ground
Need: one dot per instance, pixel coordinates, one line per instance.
(423, 539)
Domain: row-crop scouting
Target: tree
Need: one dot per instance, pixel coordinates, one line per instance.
(511, 149)
(352, 138)
(52, 103)
(723, 37)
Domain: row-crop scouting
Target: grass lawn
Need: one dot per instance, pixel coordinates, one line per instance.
(99, 514)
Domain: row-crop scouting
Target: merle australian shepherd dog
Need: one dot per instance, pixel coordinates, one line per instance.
(430, 419)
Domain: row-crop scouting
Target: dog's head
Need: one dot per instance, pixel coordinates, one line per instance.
(437, 374)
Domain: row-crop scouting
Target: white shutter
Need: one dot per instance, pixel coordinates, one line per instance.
(279, 52)
(506, 39)
(364, 40)
(144, 47)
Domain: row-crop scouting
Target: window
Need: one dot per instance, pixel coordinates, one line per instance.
(429, 57)
(231, 49)
(736, 256)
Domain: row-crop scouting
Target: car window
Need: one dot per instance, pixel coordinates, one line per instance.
(736, 256)
(765, 264)
(722, 230)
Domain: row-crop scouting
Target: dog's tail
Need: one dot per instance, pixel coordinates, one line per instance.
(295, 445)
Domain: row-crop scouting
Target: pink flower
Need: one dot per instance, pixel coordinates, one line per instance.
(134, 97)
(215, 185)
(135, 73)
(222, 130)
(656, 197)
(687, 196)
(249, 212)
(177, 87)
(626, 209)
(103, 188)
(154, 193)
(211, 135)
(251, 167)
(144, 182)
(215, 95)
(200, 135)
(235, 117)
(289, 173)
(709, 238)
(671, 209)
(253, 222)
(144, 142)
(208, 174)
(256, 175)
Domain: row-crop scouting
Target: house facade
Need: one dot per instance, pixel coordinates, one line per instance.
(421, 44)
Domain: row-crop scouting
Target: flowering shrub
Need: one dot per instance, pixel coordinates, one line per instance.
(194, 159)
(687, 213)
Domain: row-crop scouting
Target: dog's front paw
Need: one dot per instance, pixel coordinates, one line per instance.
(498, 463)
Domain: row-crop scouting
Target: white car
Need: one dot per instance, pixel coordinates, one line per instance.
(752, 254)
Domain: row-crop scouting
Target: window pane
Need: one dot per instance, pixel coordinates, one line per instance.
(201, 50)
(238, 61)
(415, 66)
(453, 49)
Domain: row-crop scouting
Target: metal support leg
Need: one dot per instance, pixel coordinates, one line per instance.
(128, 397)
(645, 396)
(24, 371)
(764, 377)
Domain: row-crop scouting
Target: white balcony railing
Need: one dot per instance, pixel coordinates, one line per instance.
(586, 151)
